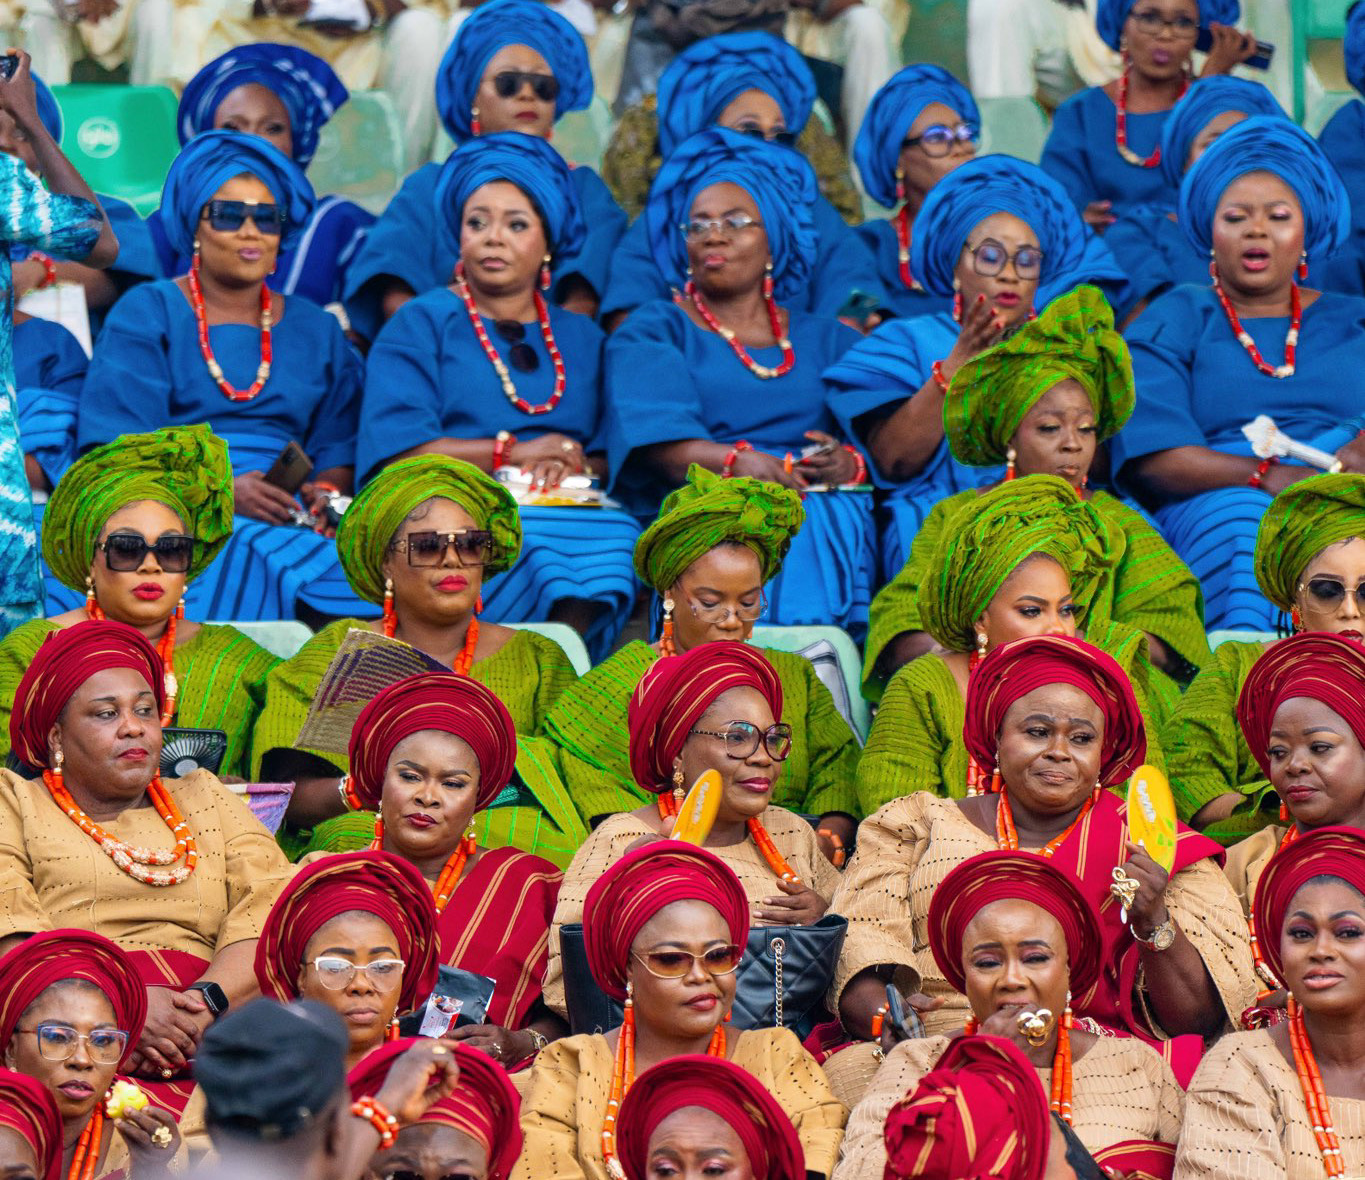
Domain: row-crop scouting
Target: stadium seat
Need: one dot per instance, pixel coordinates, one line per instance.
(121, 139)
(1217, 637)
(566, 637)
(1015, 126)
(360, 152)
(837, 663)
(581, 136)
(280, 637)
(1314, 20)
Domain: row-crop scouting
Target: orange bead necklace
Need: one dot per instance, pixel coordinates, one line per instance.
(1314, 1095)
(623, 1077)
(1060, 1097)
(464, 661)
(1007, 836)
(165, 648)
(136, 862)
(668, 809)
(87, 1154)
(451, 871)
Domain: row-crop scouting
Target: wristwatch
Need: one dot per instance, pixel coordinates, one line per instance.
(215, 998)
(1162, 937)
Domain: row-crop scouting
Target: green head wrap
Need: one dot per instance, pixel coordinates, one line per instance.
(708, 510)
(1073, 338)
(368, 525)
(185, 468)
(1299, 524)
(987, 539)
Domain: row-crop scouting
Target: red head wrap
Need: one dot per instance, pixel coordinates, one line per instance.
(1140, 1159)
(1318, 665)
(1013, 876)
(980, 1113)
(1323, 852)
(458, 705)
(38, 962)
(1015, 669)
(624, 898)
(677, 690)
(27, 1107)
(378, 883)
(485, 1105)
(66, 659)
(710, 1083)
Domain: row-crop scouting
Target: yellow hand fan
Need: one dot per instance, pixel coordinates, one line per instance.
(698, 811)
(1151, 815)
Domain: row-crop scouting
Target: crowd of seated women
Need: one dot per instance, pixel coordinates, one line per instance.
(442, 905)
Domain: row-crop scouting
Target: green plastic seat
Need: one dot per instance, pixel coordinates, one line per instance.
(581, 136)
(360, 152)
(121, 139)
(1014, 126)
(566, 637)
(280, 637)
(837, 662)
(1217, 637)
(1314, 20)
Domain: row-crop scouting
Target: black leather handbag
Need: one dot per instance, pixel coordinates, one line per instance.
(782, 979)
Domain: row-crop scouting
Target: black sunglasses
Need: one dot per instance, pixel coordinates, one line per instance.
(509, 82)
(523, 357)
(785, 138)
(1330, 592)
(124, 552)
(426, 548)
(228, 216)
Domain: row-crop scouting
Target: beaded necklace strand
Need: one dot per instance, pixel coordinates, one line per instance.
(136, 862)
(1314, 1095)
(728, 334)
(465, 660)
(1007, 836)
(623, 1077)
(1121, 123)
(87, 1153)
(668, 809)
(509, 389)
(1291, 338)
(215, 369)
(451, 871)
(902, 224)
(1062, 1073)
(165, 648)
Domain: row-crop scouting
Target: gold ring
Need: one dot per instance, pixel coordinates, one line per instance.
(439, 1050)
(168, 1073)
(1124, 888)
(161, 1137)
(567, 447)
(1036, 1027)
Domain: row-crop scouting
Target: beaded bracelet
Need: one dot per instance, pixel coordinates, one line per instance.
(373, 1112)
(346, 789)
(840, 853)
(940, 378)
(502, 445)
(1261, 468)
(727, 468)
(860, 472)
(49, 268)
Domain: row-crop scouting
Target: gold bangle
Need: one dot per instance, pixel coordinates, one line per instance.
(538, 1040)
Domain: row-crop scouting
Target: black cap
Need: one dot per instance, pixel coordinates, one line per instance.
(269, 1070)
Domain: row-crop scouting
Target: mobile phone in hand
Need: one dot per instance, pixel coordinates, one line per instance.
(1260, 60)
(9, 62)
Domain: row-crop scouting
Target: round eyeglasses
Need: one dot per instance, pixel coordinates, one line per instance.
(742, 739)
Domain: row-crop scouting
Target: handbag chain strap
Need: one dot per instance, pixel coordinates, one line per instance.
(779, 945)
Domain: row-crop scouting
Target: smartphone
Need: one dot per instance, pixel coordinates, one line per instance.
(9, 62)
(1264, 55)
(291, 469)
(903, 1020)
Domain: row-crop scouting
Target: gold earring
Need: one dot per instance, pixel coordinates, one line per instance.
(981, 644)
(57, 759)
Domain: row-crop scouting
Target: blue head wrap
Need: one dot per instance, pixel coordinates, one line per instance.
(208, 162)
(494, 26)
(780, 181)
(711, 73)
(1274, 145)
(49, 113)
(982, 187)
(306, 85)
(1353, 48)
(1111, 15)
(1205, 100)
(526, 161)
(889, 116)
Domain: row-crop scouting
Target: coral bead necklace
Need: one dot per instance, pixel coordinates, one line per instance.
(1007, 836)
(668, 809)
(902, 224)
(451, 871)
(142, 864)
(728, 334)
(1121, 122)
(509, 389)
(1314, 1094)
(1291, 339)
(215, 369)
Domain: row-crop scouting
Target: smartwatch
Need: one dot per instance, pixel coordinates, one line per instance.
(215, 998)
